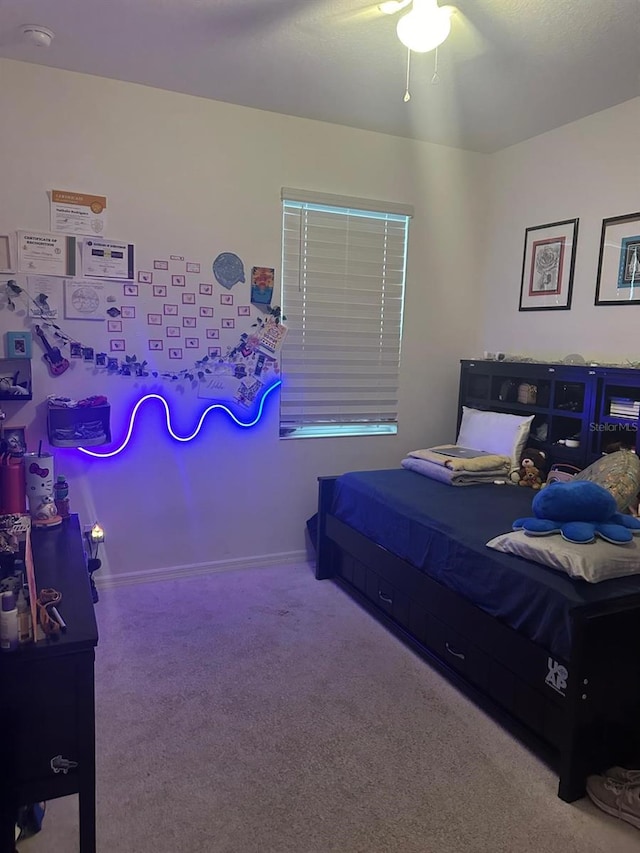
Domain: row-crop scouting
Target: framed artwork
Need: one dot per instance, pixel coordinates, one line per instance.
(154, 319)
(128, 312)
(226, 299)
(155, 344)
(175, 352)
(262, 279)
(618, 281)
(75, 349)
(244, 310)
(83, 300)
(161, 265)
(189, 322)
(228, 323)
(130, 289)
(206, 311)
(547, 266)
(213, 334)
(145, 277)
(170, 310)
(16, 438)
(178, 280)
(172, 331)
(192, 343)
(214, 351)
(191, 267)
(114, 325)
(18, 344)
(206, 289)
(159, 289)
(188, 299)
(6, 255)
(117, 345)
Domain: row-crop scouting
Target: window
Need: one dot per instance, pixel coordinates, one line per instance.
(343, 275)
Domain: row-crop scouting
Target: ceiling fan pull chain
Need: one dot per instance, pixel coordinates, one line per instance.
(407, 94)
(436, 77)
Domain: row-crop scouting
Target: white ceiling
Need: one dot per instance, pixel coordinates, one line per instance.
(510, 70)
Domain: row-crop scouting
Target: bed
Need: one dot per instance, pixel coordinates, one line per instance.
(554, 659)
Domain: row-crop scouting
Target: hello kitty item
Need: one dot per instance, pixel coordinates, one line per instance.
(39, 483)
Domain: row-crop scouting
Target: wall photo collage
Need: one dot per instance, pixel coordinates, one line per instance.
(159, 320)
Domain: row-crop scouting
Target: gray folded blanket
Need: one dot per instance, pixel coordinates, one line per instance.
(450, 477)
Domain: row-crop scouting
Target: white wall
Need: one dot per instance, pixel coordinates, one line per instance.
(196, 177)
(588, 169)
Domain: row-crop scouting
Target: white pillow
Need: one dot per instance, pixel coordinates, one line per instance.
(597, 561)
(494, 432)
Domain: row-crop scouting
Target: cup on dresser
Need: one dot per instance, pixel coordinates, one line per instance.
(39, 485)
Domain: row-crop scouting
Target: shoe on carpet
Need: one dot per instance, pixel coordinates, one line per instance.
(620, 799)
(621, 774)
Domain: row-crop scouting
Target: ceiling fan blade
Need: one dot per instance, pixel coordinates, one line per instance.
(363, 12)
(229, 19)
(466, 40)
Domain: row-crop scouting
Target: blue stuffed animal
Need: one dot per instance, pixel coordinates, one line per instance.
(579, 511)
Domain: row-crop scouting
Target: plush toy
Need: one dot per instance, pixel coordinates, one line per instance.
(532, 470)
(579, 511)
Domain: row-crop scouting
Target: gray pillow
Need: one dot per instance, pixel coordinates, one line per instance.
(597, 561)
(619, 473)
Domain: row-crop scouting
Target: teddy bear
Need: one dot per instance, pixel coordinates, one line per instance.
(532, 470)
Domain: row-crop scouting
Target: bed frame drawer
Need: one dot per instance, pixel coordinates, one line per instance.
(388, 598)
(452, 647)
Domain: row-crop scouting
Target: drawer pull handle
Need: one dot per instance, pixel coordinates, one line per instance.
(386, 598)
(455, 654)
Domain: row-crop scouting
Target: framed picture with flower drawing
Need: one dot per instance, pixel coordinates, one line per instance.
(547, 266)
(618, 280)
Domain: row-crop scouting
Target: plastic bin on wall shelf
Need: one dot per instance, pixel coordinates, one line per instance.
(81, 426)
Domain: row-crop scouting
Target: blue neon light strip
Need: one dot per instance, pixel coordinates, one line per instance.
(170, 428)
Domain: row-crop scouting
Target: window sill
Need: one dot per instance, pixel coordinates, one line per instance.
(338, 431)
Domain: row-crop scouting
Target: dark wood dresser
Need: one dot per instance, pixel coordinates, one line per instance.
(47, 711)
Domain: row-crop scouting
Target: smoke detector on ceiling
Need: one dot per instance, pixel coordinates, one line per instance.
(36, 35)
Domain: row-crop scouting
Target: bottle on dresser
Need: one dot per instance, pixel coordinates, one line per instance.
(8, 623)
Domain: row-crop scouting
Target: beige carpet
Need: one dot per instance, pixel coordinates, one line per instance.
(262, 711)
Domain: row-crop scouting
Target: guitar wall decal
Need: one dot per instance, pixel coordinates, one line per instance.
(54, 358)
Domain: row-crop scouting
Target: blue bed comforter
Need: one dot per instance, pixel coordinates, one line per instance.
(444, 531)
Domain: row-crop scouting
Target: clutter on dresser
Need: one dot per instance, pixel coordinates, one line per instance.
(12, 478)
(95, 538)
(40, 494)
(78, 423)
(61, 495)
(16, 569)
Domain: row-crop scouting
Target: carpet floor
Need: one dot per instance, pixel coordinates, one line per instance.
(262, 711)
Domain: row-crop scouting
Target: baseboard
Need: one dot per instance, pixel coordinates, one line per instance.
(195, 569)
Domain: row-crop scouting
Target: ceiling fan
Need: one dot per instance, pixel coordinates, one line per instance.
(424, 27)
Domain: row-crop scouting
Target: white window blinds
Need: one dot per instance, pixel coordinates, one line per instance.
(343, 275)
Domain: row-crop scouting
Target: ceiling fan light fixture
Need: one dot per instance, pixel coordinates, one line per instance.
(425, 27)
